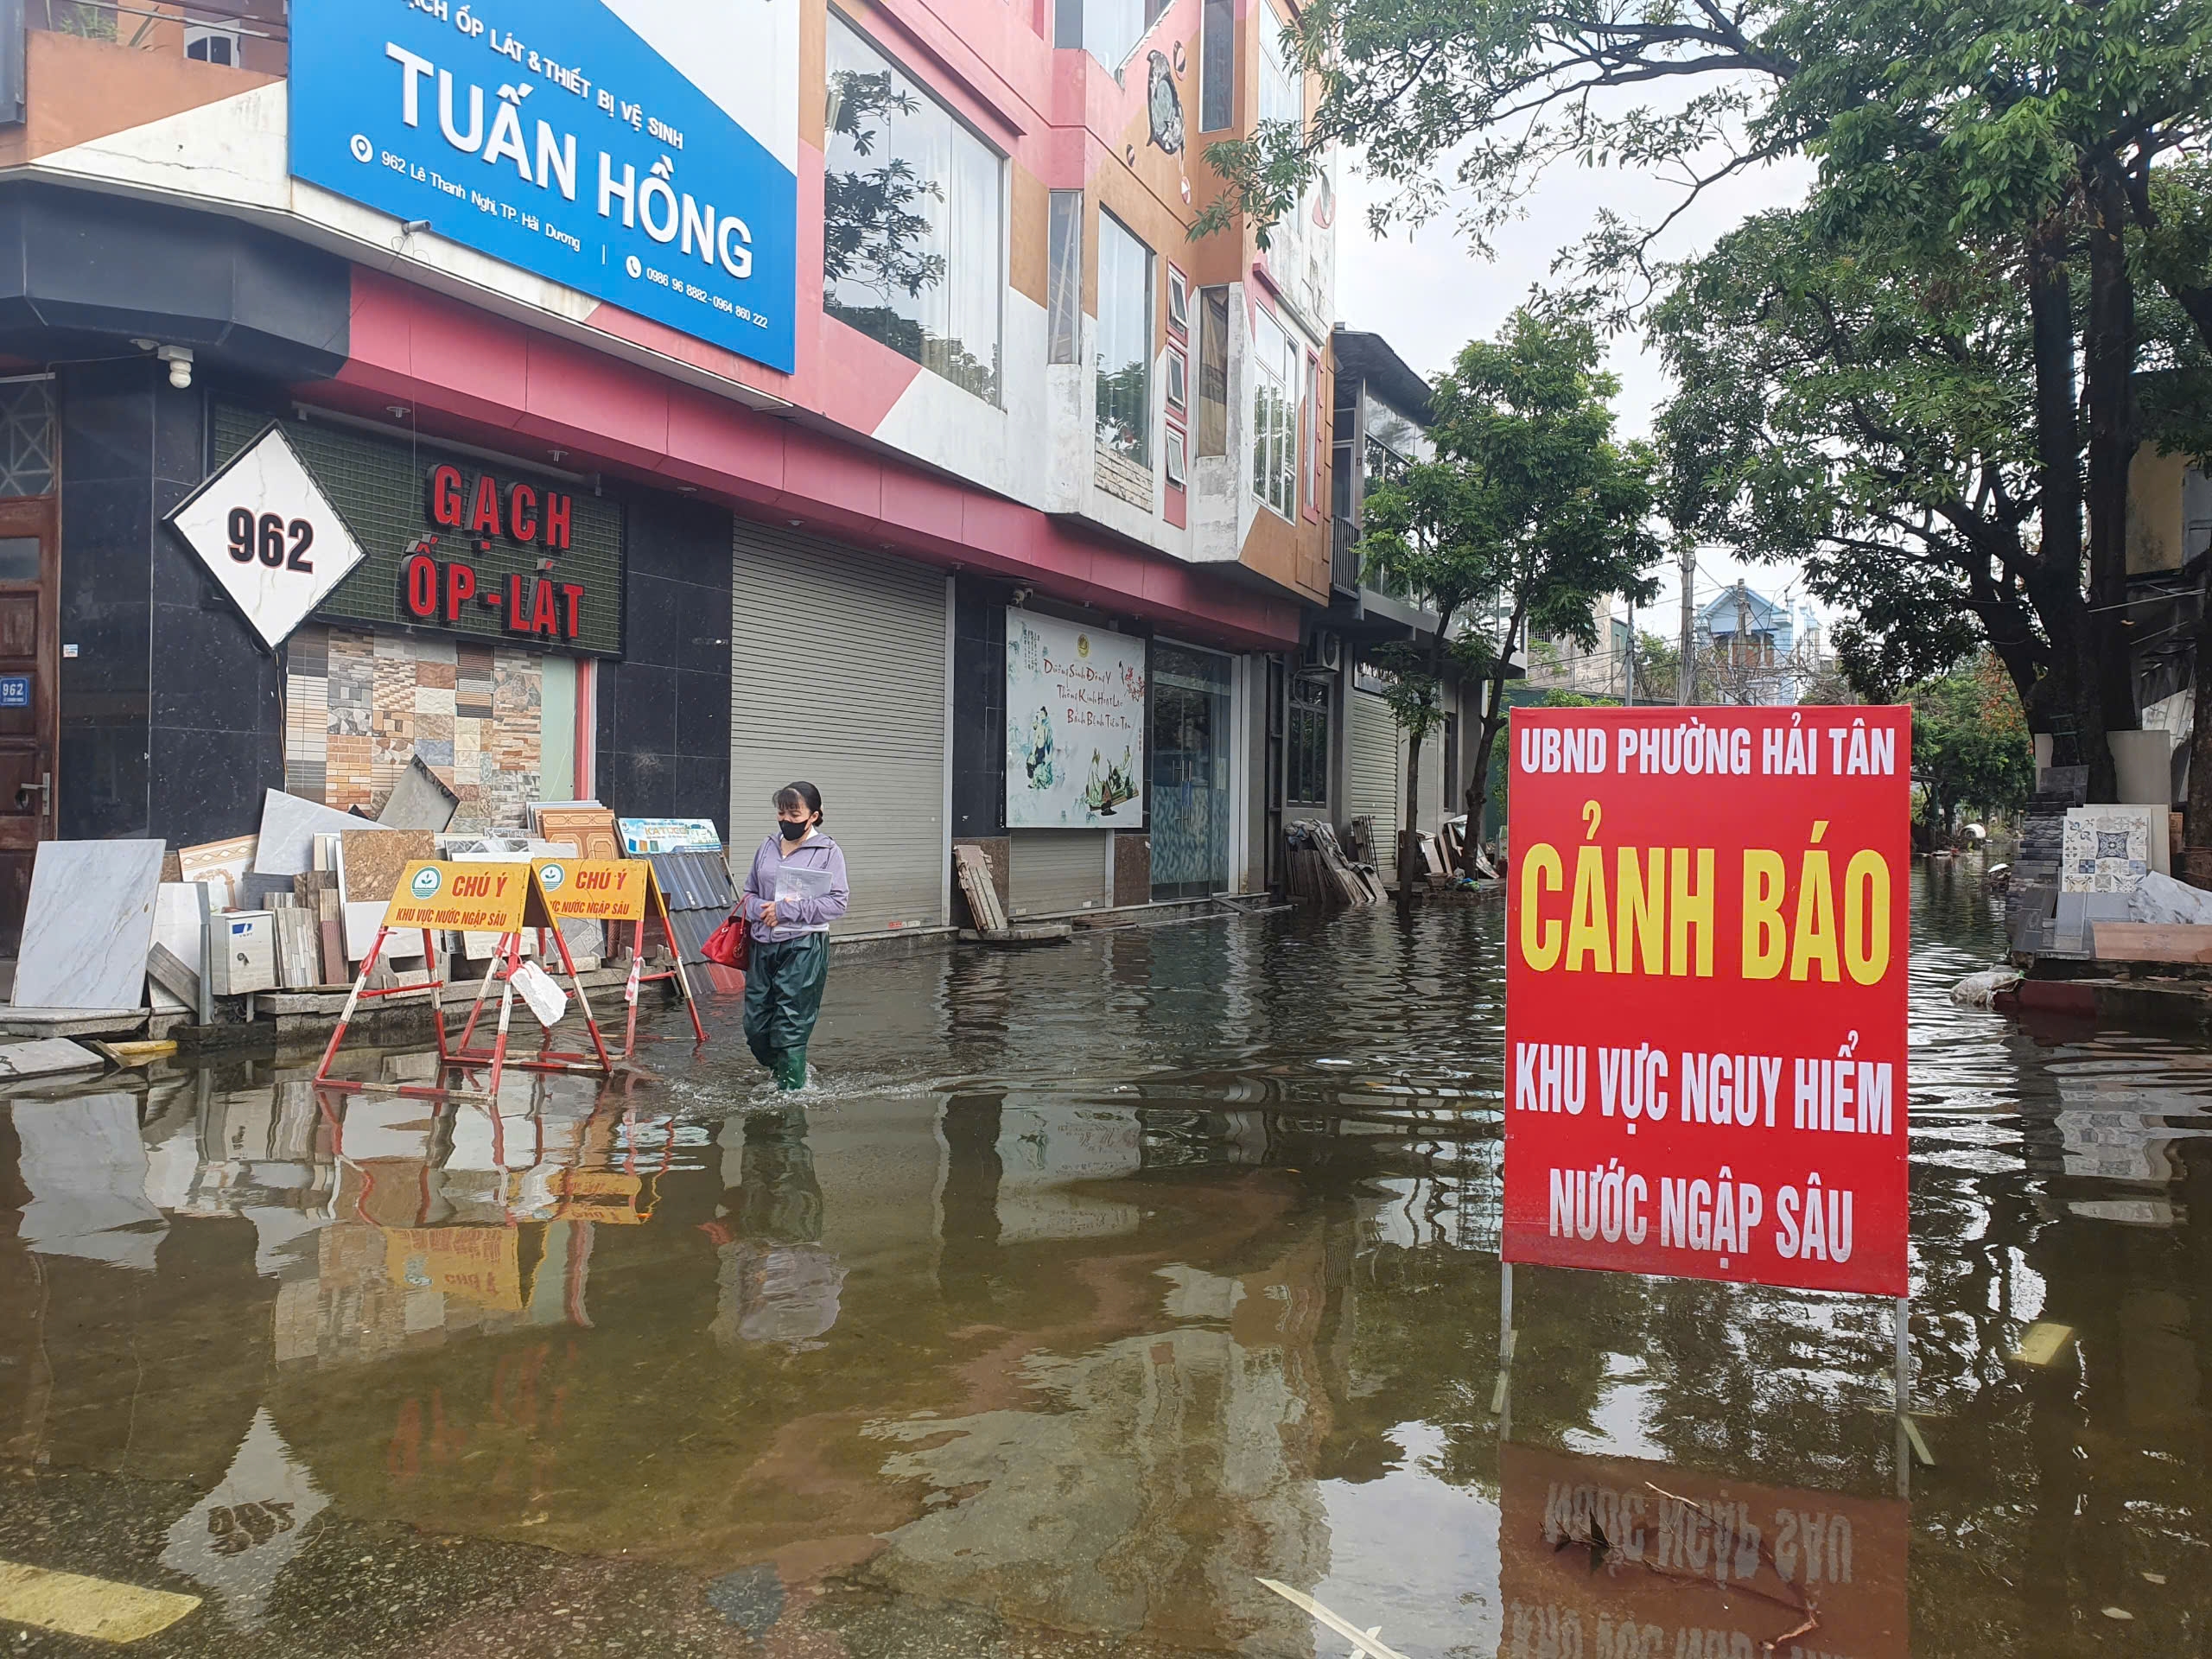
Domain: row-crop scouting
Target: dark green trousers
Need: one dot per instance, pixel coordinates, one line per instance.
(783, 999)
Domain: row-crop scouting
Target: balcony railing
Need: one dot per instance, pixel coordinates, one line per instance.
(1344, 555)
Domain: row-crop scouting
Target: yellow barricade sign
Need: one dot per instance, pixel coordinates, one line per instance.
(472, 898)
(595, 889)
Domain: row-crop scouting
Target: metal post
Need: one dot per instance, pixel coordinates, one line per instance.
(1501, 1401)
(1686, 673)
(1631, 654)
(1905, 1436)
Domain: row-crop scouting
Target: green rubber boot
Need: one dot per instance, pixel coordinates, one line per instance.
(790, 1069)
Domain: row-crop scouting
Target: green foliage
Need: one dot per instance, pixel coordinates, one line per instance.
(1530, 508)
(875, 220)
(1870, 417)
(1970, 157)
(1970, 746)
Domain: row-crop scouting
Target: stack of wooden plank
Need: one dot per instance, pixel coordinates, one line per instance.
(1320, 871)
(973, 865)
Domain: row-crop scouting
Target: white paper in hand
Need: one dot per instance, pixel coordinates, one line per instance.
(547, 1001)
(797, 881)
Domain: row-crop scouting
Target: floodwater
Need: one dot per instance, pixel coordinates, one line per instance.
(1085, 1289)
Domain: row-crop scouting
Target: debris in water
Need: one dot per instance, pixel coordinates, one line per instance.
(2154, 1578)
(1368, 1641)
(2042, 1342)
(1980, 990)
(2120, 1613)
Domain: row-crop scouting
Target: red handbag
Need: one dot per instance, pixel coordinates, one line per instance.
(730, 945)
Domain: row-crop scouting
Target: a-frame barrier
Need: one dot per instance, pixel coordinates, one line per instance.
(503, 899)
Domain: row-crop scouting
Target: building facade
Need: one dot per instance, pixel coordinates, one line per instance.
(686, 402)
(1379, 425)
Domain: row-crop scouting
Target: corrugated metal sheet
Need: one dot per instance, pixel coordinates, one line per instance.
(1055, 870)
(838, 676)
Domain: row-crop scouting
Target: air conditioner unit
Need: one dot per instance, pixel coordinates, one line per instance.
(1324, 650)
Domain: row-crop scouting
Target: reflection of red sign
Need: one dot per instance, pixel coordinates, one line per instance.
(1604, 1556)
(1706, 992)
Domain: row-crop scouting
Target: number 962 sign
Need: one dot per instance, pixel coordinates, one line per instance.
(269, 536)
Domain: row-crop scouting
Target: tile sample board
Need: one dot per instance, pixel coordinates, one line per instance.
(372, 860)
(89, 925)
(224, 862)
(289, 826)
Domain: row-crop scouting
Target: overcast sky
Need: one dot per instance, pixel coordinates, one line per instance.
(1428, 294)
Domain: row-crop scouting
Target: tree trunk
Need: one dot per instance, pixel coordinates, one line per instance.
(1493, 722)
(2071, 708)
(1409, 860)
(2108, 360)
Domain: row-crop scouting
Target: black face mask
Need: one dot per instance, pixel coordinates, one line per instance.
(793, 831)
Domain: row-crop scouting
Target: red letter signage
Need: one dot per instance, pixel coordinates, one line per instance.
(1707, 924)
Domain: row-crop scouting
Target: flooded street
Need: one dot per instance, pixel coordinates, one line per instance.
(1085, 1289)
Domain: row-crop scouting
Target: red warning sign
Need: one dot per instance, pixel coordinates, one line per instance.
(1706, 928)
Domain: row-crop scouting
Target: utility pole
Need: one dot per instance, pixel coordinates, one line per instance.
(1631, 654)
(1686, 674)
(1744, 637)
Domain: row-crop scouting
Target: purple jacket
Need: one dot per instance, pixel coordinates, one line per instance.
(802, 916)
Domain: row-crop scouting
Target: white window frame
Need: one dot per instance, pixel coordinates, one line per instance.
(1274, 415)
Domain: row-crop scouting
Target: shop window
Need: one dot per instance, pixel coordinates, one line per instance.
(1310, 413)
(1213, 372)
(1217, 67)
(1307, 760)
(912, 251)
(27, 437)
(1124, 357)
(1274, 415)
(1063, 278)
(1109, 30)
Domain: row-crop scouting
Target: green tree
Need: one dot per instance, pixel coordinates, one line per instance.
(1970, 746)
(1529, 506)
(2032, 135)
(1870, 419)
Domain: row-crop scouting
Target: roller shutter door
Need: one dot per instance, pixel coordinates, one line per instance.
(1377, 778)
(1056, 870)
(837, 676)
(1374, 789)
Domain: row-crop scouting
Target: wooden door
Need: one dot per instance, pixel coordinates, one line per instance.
(29, 579)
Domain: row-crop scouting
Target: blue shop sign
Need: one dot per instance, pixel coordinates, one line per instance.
(561, 136)
(15, 691)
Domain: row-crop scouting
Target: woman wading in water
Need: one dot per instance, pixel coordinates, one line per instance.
(794, 890)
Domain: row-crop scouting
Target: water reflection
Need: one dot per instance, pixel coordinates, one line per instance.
(1092, 1288)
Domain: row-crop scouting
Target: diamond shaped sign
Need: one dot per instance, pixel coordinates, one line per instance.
(269, 536)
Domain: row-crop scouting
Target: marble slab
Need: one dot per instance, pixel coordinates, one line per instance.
(362, 921)
(419, 801)
(289, 826)
(47, 1056)
(176, 927)
(89, 925)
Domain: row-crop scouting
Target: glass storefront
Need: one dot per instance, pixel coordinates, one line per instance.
(1191, 726)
